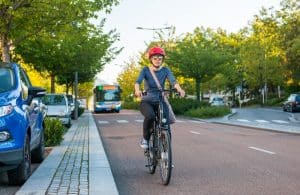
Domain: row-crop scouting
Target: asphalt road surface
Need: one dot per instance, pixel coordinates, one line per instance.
(209, 158)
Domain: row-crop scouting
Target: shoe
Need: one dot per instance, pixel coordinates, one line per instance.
(144, 144)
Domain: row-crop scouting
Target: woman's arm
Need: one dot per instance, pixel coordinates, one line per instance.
(179, 89)
(137, 91)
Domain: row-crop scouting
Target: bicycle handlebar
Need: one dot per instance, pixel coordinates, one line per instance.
(165, 91)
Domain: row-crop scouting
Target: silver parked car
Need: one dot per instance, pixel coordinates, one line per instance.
(217, 101)
(58, 107)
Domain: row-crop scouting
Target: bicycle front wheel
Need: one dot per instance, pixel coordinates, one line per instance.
(166, 157)
(151, 156)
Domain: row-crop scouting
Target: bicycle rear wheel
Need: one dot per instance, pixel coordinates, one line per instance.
(166, 157)
(151, 158)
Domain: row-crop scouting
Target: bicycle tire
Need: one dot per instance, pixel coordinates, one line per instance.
(151, 158)
(166, 157)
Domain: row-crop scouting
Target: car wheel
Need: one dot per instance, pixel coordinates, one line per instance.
(292, 109)
(19, 175)
(38, 154)
(69, 123)
(283, 108)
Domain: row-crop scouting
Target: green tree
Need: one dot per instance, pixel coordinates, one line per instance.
(230, 72)
(81, 48)
(196, 56)
(21, 19)
(289, 19)
(262, 55)
(127, 78)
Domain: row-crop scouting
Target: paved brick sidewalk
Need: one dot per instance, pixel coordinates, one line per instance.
(78, 166)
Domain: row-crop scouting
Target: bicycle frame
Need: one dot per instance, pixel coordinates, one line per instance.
(159, 151)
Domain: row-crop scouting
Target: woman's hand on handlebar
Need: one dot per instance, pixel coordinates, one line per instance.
(138, 93)
(181, 92)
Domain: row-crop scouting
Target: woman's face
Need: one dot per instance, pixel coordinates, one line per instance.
(157, 60)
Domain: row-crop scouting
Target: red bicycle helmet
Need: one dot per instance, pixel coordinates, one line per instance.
(156, 51)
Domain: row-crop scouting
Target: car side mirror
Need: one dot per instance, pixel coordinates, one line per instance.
(35, 92)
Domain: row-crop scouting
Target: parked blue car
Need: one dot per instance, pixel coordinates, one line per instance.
(21, 123)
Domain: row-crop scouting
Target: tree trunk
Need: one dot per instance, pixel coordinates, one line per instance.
(198, 82)
(5, 48)
(67, 88)
(52, 83)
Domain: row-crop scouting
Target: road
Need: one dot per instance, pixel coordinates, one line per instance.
(209, 158)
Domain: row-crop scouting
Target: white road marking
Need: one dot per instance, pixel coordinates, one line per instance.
(103, 122)
(261, 150)
(179, 121)
(262, 121)
(243, 120)
(122, 121)
(195, 132)
(139, 121)
(280, 121)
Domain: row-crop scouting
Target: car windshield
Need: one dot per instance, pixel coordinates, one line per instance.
(218, 99)
(70, 99)
(54, 100)
(7, 79)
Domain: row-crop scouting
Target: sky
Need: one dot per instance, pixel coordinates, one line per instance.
(185, 15)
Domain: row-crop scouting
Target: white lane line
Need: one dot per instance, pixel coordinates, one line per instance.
(179, 121)
(139, 121)
(122, 121)
(261, 150)
(195, 132)
(280, 121)
(262, 121)
(243, 120)
(103, 122)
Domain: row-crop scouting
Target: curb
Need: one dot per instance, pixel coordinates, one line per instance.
(101, 180)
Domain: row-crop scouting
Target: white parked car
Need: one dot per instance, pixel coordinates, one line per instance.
(58, 107)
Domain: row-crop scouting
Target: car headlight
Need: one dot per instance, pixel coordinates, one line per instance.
(5, 110)
(4, 136)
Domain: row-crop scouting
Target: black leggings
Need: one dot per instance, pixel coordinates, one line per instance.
(148, 110)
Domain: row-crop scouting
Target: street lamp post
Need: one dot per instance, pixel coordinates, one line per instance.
(154, 29)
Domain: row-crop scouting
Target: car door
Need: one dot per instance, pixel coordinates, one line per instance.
(32, 110)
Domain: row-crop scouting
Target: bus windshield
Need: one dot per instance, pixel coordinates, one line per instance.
(107, 95)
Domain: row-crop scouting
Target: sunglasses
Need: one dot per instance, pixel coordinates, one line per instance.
(157, 57)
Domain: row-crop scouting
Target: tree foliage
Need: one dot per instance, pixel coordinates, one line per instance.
(196, 56)
(127, 78)
(21, 19)
(68, 44)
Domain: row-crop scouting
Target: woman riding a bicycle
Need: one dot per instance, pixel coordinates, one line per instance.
(152, 96)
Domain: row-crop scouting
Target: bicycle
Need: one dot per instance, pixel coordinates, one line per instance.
(160, 150)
